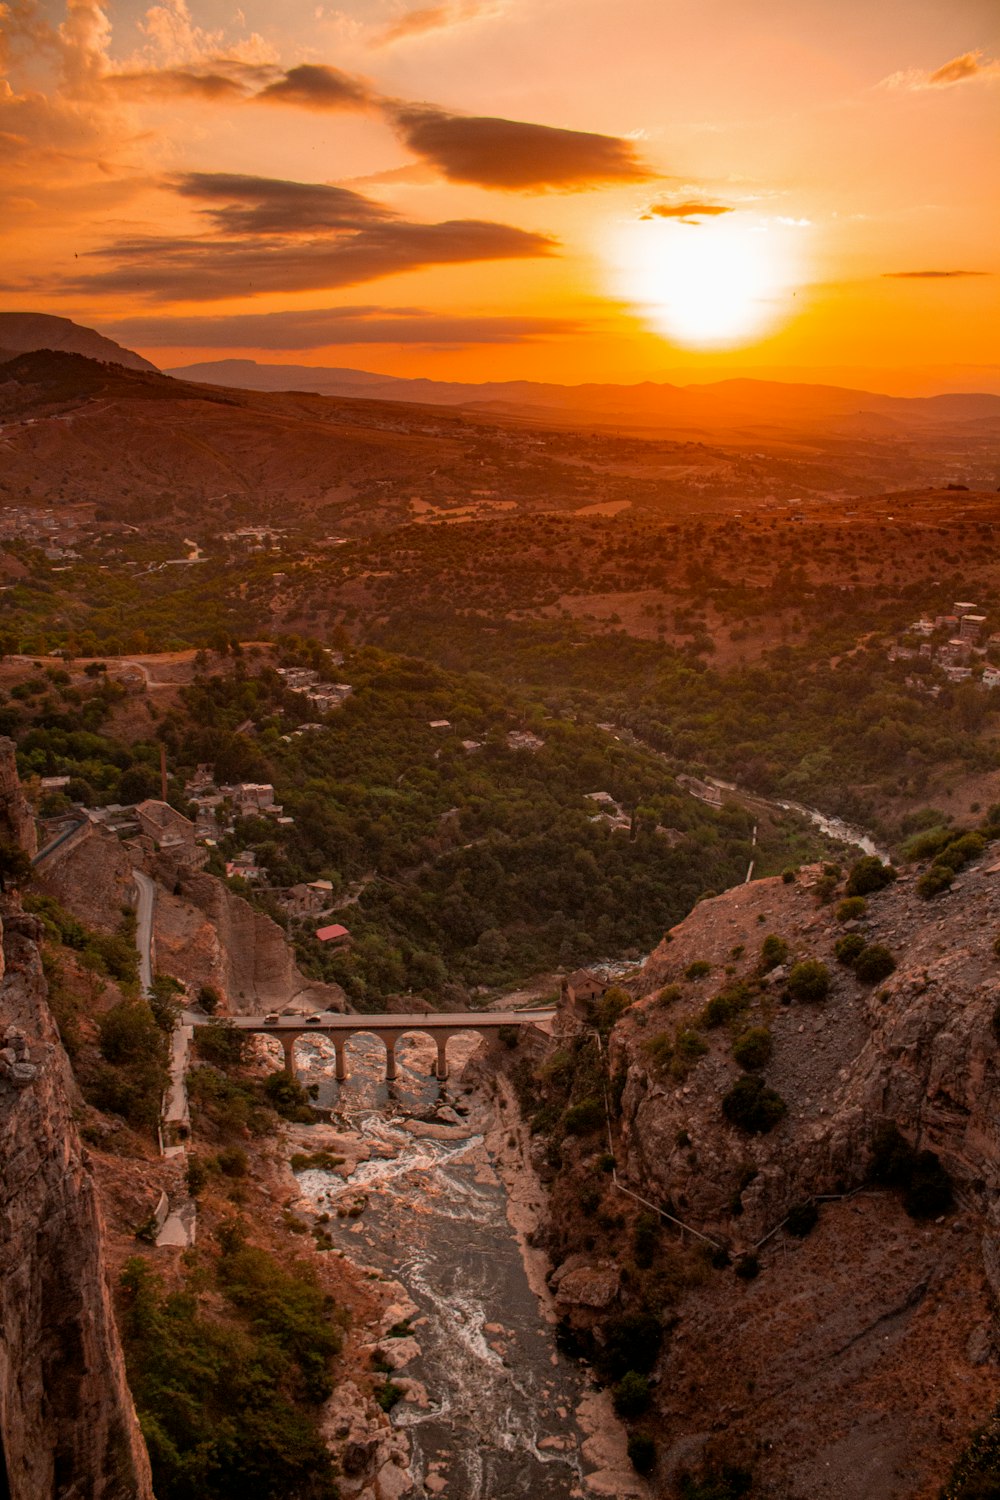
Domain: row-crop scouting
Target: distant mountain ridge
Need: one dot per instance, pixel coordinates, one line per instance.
(725, 404)
(23, 333)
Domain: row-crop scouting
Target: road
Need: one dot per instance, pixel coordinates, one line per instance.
(144, 927)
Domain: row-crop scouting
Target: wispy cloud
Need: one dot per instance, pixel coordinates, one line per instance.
(428, 18)
(930, 275)
(689, 212)
(513, 155)
(969, 67)
(270, 235)
(316, 86)
(324, 327)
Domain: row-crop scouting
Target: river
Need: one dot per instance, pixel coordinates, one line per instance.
(503, 1413)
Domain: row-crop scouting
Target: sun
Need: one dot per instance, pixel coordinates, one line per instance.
(708, 285)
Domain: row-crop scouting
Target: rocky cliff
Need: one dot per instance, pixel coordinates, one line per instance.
(833, 1331)
(207, 935)
(67, 1423)
(17, 822)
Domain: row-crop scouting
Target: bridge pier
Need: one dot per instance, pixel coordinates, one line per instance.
(341, 1056)
(288, 1048)
(390, 1059)
(441, 1066)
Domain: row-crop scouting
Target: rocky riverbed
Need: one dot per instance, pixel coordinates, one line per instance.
(426, 1186)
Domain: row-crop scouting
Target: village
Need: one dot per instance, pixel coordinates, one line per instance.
(956, 643)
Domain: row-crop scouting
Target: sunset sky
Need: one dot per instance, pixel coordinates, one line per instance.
(489, 189)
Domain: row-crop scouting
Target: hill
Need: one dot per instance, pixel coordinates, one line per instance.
(21, 333)
(735, 405)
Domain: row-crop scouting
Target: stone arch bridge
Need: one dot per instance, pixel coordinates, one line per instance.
(439, 1025)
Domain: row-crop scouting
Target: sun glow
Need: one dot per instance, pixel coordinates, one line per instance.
(709, 285)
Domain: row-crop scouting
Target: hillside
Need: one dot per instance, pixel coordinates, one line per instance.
(833, 1330)
(728, 405)
(22, 333)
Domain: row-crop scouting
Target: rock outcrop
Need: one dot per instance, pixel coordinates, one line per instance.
(67, 1423)
(17, 822)
(207, 935)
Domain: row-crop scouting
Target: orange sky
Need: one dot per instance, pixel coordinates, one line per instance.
(546, 189)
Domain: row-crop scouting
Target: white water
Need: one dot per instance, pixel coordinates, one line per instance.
(436, 1221)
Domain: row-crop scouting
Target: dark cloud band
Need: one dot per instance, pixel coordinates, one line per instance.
(324, 327)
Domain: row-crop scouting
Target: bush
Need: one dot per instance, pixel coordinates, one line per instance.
(848, 947)
(773, 951)
(726, 1005)
(642, 1452)
(753, 1048)
(688, 1048)
(802, 1220)
(233, 1161)
(925, 1183)
(222, 1043)
(809, 980)
(935, 880)
(788, 875)
(631, 1395)
(509, 1036)
(698, 969)
(585, 1117)
(129, 1034)
(285, 1094)
(747, 1267)
(645, 1238)
(631, 1342)
(852, 909)
(867, 875)
(874, 963)
(209, 999)
(752, 1106)
(612, 1004)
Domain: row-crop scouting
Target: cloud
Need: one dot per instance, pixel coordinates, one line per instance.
(969, 67)
(276, 236)
(688, 212)
(241, 205)
(930, 275)
(428, 18)
(511, 154)
(323, 327)
(167, 83)
(316, 86)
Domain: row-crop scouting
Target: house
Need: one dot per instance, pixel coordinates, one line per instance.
(169, 830)
(440, 723)
(523, 739)
(335, 935)
(244, 865)
(991, 677)
(253, 796)
(583, 986)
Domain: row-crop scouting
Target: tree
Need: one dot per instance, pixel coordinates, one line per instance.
(15, 865)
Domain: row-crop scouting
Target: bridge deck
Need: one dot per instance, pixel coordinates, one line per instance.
(455, 1020)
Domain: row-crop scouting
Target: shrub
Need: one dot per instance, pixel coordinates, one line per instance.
(851, 909)
(926, 1185)
(285, 1094)
(509, 1036)
(869, 874)
(753, 1048)
(935, 880)
(631, 1342)
(388, 1395)
(585, 1117)
(809, 980)
(698, 969)
(752, 1106)
(773, 951)
(222, 1043)
(642, 1452)
(788, 875)
(688, 1048)
(848, 947)
(233, 1161)
(645, 1238)
(209, 999)
(802, 1219)
(613, 1003)
(825, 888)
(669, 993)
(747, 1267)
(631, 1394)
(129, 1034)
(874, 963)
(726, 1005)
(996, 947)
(197, 1175)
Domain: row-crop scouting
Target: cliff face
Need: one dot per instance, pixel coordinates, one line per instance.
(208, 935)
(849, 1361)
(917, 1049)
(16, 820)
(67, 1423)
